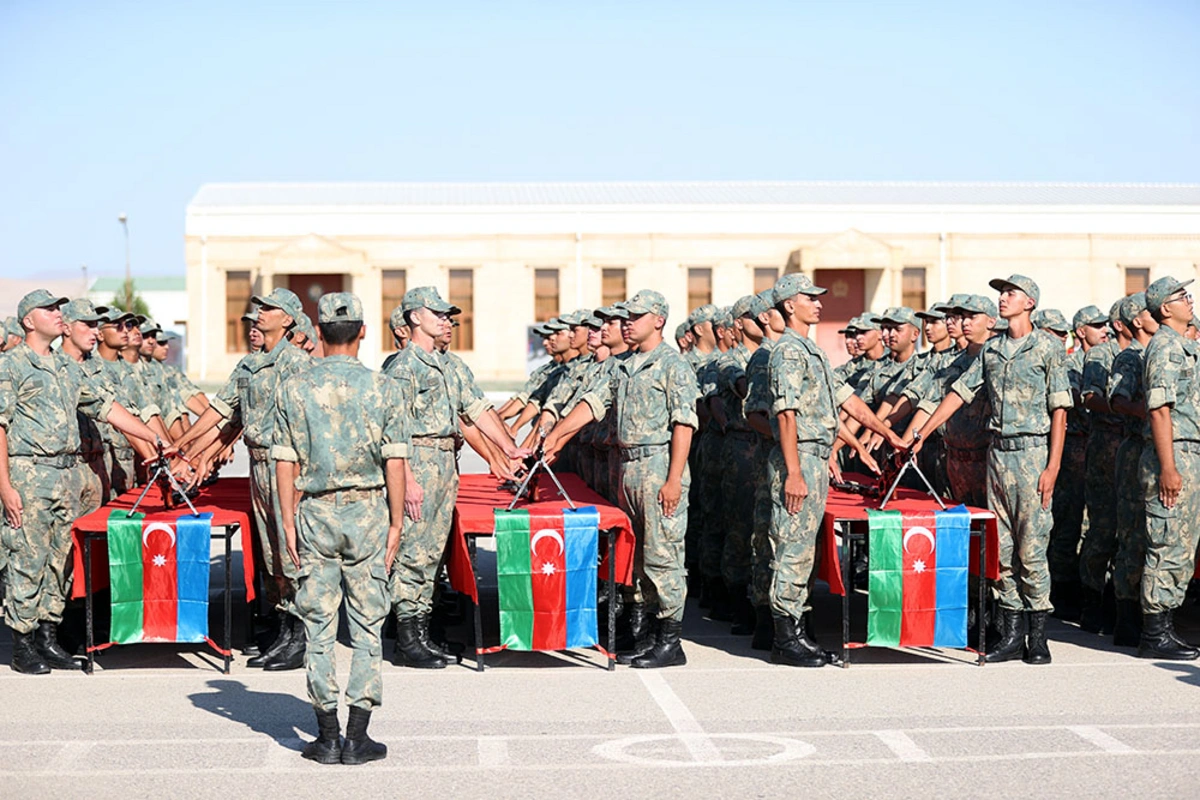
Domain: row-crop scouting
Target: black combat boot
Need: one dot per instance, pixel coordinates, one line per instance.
(667, 650)
(1011, 643)
(327, 747)
(764, 629)
(291, 656)
(1156, 640)
(721, 609)
(743, 611)
(444, 650)
(360, 748)
(1128, 632)
(1067, 599)
(45, 639)
(793, 646)
(1175, 637)
(1091, 610)
(25, 656)
(411, 651)
(287, 629)
(1036, 649)
(642, 627)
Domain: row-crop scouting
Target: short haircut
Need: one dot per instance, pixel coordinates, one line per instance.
(1159, 317)
(339, 333)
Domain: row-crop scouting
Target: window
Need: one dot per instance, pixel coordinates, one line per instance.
(612, 285)
(1136, 279)
(764, 278)
(545, 294)
(912, 288)
(699, 287)
(238, 291)
(462, 294)
(395, 284)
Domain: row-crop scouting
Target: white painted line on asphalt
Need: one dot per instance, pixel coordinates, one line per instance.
(1104, 741)
(282, 754)
(681, 719)
(70, 755)
(493, 751)
(904, 747)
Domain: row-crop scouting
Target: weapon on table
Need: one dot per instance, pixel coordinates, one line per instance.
(534, 464)
(172, 491)
(901, 464)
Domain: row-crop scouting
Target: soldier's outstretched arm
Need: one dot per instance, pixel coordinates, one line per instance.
(208, 420)
(858, 410)
(394, 476)
(526, 416)
(567, 427)
(858, 447)
(951, 403)
(492, 428)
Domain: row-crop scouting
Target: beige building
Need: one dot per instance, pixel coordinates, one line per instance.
(510, 254)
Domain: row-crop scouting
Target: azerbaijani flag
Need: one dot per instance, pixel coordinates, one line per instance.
(159, 577)
(546, 566)
(917, 579)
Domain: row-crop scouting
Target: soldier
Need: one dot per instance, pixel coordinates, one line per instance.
(14, 334)
(653, 396)
(340, 440)
(1172, 451)
(683, 338)
(608, 463)
(1127, 398)
(436, 400)
(1029, 394)
(401, 334)
(41, 478)
(304, 336)
(79, 340)
(516, 404)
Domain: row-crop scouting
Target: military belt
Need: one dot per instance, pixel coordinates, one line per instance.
(1188, 445)
(63, 461)
(1028, 441)
(434, 442)
(814, 449)
(975, 456)
(259, 453)
(640, 451)
(344, 496)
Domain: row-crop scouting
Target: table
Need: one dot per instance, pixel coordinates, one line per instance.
(228, 500)
(480, 495)
(846, 513)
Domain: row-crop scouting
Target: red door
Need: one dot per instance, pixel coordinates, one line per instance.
(844, 301)
(309, 289)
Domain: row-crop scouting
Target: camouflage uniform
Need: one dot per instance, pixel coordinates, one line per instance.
(39, 397)
(95, 492)
(1066, 507)
(1126, 381)
(340, 421)
(737, 474)
(648, 394)
(1025, 381)
(248, 400)
(759, 400)
(709, 507)
(120, 458)
(1100, 491)
(1171, 379)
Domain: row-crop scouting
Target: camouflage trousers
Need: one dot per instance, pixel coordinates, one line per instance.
(342, 546)
(119, 464)
(967, 474)
(414, 573)
(1131, 522)
(660, 576)
(1170, 532)
(1024, 526)
(1100, 490)
(279, 572)
(94, 493)
(794, 536)
(737, 487)
(37, 576)
(1067, 510)
(760, 544)
(711, 504)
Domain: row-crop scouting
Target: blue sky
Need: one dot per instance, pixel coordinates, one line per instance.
(110, 107)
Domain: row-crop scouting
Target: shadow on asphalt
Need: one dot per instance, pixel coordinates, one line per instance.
(269, 713)
(1188, 673)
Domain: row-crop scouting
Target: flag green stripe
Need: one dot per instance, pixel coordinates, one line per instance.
(885, 595)
(512, 572)
(125, 576)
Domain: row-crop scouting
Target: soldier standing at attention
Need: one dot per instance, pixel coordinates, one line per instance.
(1170, 464)
(1027, 386)
(79, 340)
(653, 396)
(340, 440)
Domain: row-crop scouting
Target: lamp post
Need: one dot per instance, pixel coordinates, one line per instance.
(123, 218)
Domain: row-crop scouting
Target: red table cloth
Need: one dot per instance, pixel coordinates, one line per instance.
(848, 506)
(228, 500)
(480, 495)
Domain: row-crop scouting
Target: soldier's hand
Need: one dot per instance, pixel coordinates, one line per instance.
(393, 546)
(870, 463)
(1170, 484)
(550, 448)
(414, 495)
(669, 496)
(1046, 483)
(13, 507)
(504, 470)
(915, 446)
(897, 441)
(292, 549)
(872, 444)
(835, 470)
(795, 490)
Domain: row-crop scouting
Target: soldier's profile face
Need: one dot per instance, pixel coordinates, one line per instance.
(610, 333)
(976, 327)
(867, 340)
(638, 328)
(114, 335)
(83, 335)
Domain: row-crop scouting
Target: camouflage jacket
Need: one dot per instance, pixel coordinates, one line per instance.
(1171, 379)
(1125, 380)
(802, 381)
(39, 399)
(1097, 366)
(248, 397)
(1079, 419)
(648, 398)
(968, 428)
(433, 392)
(758, 385)
(731, 367)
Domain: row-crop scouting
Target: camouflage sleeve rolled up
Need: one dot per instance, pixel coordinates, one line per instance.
(1058, 389)
(971, 381)
(396, 435)
(599, 395)
(227, 402)
(1167, 373)
(922, 387)
(682, 393)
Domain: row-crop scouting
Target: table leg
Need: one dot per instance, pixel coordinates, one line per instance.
(87, 602)
(612, 597)
(847, 587)
(479, 657)
(981, 614)
(230, 530)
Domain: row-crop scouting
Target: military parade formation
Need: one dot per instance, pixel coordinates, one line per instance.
(722, 446)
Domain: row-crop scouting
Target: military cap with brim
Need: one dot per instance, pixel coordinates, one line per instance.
(1014, 281)
(702, 314)
(1161, 290)
(975, 304)
(1051, 319)
(12, 327)
(612, 312)
(681, 330)
(282, 298)
(80, 310)
(149, 326)
(935, 312)
(111, 316)
(899, 315)
(169, 336)
(540, 330)
(339, 307)
(593, 322)
(251, 315)
(555, 325)
(305, 326)
(795, 283)
(751, 306)
(1088, 315)
(576, 317)
(1000, 325)
(1131, 306)
(425, 297)
(396, 318)
(865, 322)
(39, 298)
(648, 301)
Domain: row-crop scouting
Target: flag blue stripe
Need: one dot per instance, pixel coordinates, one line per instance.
(192, 549)
(581, 529)
(953, 554)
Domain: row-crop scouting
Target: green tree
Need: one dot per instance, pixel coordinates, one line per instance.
(129, 300)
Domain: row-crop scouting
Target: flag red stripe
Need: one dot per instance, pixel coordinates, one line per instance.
(159, 585)
(548, 563)
(918, 619)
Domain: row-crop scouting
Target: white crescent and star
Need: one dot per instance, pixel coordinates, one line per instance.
(919, 531)
(158, 526)
(548, 567)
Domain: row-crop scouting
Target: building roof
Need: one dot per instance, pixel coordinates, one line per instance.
(775, 193)
(142, 283)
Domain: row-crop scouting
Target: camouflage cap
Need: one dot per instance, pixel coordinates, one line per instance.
(950, 305)
(1114, 312)
(396, 319)
(864, 322)
(149, 327)
(647, 301)
(705, 313)
(1088, 315)
(611, 312)
(593, 321)
(934, 312)
(899, 315)
(768, 298)
(795, 283)
(750, 306)
(1021, 282)
(540, 329)
(725, 318)
(251, 315)
(681, 331)
(1131, 306)
(109, 316)
(79, 310)
(1158, 292)
(12, 327)
(1000, 325)
(169, 336)
(38, 298)
(975, 304)
(577, 317)
(425, 297)
(1051, 319)
(339, 307)
(281, 298)
(305, 326)
(555, 325)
